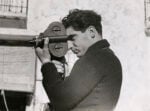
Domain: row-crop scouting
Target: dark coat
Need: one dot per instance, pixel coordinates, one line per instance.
(94, 82)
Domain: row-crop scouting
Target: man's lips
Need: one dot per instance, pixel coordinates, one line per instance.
(76, 51)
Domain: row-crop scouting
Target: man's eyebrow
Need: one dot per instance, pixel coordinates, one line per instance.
(70, 37)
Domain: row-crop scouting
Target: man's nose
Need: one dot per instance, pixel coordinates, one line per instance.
(70, 44)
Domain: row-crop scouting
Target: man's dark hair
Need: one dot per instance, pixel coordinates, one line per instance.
(80, 20)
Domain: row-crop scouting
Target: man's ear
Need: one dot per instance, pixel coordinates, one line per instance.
(91, 31)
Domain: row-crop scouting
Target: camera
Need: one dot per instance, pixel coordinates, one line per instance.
(56, 34)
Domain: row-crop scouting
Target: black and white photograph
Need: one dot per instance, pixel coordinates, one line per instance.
(74, 55)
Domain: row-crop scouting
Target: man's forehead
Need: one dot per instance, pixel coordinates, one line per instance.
(70, 30)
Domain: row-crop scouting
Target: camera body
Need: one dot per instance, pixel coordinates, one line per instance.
(57, 39)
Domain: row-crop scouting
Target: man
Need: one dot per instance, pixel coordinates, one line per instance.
(95, 81)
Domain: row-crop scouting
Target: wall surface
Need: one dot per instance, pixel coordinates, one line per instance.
(123, 26)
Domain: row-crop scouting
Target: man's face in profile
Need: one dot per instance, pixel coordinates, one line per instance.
(78, 41)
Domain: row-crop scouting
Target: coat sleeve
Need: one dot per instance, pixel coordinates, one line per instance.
(66, 94)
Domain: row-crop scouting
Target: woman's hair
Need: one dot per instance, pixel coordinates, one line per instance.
(80, 20)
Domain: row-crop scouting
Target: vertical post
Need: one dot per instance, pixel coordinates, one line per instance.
(147, 17)
(145, 11)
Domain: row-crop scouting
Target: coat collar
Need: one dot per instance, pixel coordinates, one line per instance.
(98, 46)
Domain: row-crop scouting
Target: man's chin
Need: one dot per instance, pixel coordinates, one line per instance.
(79, 55)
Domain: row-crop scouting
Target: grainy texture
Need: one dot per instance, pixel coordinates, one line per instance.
(123, 26)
